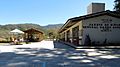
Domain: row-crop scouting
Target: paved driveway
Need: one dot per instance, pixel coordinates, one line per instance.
(54, 54)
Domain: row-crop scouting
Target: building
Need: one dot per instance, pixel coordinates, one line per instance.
(102, 27)
(33, 35)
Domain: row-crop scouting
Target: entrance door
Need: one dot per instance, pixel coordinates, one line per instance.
(63, 37)
(68, 36)
(75, 33)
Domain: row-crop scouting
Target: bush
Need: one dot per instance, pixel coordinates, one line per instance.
(4, 41)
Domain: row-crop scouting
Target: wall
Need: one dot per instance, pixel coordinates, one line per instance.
(100, 34)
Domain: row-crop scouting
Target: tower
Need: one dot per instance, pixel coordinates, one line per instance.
(95, 7)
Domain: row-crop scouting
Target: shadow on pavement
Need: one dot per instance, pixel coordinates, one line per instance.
(61, 56)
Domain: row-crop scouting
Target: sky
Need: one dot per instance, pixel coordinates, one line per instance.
(44, 12)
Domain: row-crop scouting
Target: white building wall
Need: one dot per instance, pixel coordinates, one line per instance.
(95, 34)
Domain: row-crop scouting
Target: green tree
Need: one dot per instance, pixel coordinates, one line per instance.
(117, 5)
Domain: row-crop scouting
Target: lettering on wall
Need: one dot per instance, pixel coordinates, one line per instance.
(105, 26)
(106, 20)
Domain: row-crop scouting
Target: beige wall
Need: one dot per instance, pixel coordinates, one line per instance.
(112, 36)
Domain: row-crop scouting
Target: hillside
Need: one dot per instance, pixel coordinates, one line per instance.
(5, 29)
(20, 26)
(52, 28)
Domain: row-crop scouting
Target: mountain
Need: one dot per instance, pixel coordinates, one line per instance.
(20, 26)
(53, 26)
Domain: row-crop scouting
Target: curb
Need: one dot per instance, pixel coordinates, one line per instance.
(90, 47)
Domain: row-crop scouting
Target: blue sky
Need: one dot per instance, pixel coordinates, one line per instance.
(44, 12)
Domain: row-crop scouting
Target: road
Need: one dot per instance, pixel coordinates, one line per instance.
(55, 54)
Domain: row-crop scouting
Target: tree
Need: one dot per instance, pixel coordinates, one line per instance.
(117, 5)
(87, 40)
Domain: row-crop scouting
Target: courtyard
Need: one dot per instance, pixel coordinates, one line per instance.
(56, 54)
